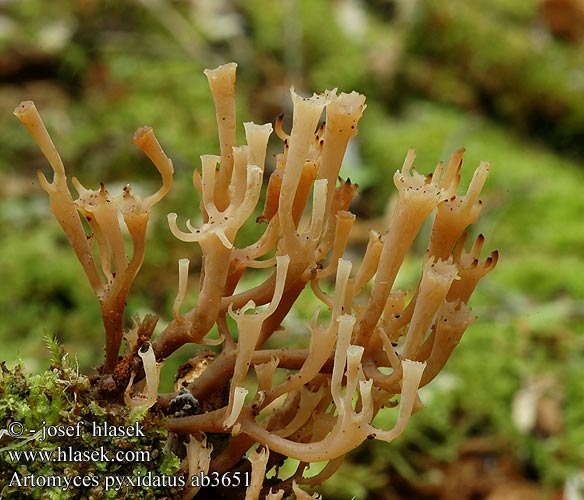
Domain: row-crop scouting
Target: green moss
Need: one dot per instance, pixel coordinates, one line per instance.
(39, 464)
(506, 67)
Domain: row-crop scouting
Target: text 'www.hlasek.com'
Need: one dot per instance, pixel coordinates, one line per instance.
(73, 454)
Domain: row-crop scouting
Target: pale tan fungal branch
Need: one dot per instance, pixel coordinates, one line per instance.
(302, 495)
(62, 204)
(437, 278)
(183, 276)
(100, 210)
(371, 347)
(198, 461)
(259, 462)
(342, 116)
(222, 85)
(149, 394)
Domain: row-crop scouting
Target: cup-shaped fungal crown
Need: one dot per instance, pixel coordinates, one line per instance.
(458, 211)
(419, 191)
(307, 113)
(342, 117)
(344, 112)
(257, 137)
(470, 269)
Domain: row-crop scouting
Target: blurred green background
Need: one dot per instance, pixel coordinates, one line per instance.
(503, 78)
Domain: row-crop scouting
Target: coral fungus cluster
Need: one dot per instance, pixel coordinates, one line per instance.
(375, 349)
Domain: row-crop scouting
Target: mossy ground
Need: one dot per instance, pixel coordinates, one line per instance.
(71, 435)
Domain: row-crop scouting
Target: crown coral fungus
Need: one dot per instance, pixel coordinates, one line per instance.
(378, 342)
